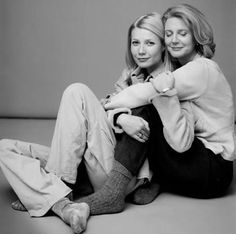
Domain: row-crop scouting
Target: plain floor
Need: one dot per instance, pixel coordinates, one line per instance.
(168, 214)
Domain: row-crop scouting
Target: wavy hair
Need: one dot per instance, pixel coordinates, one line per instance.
(198, 25)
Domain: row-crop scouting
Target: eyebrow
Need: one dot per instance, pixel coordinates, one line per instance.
(149, 39)
(179, 30)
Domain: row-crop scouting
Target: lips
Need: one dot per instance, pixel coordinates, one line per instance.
(142, 59)
(176, 48)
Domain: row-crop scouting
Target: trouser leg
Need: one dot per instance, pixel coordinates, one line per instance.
(129, 158)
(82, 131)
(197, 172)
(130, 152)
(21, 164)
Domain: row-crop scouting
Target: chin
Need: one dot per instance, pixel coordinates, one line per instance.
(176, 54)
(142, 65)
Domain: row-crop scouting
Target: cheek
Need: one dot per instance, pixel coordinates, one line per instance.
(189, 42)
(133, 50)
(167, 41)
(157, 53)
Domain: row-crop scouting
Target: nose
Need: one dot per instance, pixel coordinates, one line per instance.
(141, 49)
(174, 39)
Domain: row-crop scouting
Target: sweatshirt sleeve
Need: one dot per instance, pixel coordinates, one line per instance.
(191, 80)
(177, 119)
(120, 85)
(175, 108)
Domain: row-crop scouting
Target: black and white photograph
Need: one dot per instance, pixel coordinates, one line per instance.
(117, 117)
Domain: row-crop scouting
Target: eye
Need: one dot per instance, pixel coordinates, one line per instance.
(183, 33)
(135, 43)
(150, 43)
(168, 33)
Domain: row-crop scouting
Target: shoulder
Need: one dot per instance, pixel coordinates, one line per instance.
(196, 70)
(191, 79)
(123, 81)
(196, 67)
(202, 65)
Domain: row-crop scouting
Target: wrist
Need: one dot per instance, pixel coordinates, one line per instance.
(120, 119)
(164, 83)
(164, 90)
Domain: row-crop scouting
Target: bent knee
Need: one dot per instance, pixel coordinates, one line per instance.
(6, 144)
(76, 89)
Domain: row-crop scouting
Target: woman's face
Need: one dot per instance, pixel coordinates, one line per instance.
(179, 40)
(146, 49)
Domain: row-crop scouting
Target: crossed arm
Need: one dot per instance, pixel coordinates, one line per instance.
(177, 116)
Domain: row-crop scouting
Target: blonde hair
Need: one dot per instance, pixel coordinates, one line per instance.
(197, 23)
(151, 22)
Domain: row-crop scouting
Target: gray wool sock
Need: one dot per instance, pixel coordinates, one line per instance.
(111, 197)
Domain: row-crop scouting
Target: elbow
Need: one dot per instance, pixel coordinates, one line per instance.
(184, 144)
(179, 143)
(181, 148)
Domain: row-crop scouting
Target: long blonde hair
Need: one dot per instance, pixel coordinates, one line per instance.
(151, 22)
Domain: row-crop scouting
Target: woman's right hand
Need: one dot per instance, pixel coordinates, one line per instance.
(134, 126)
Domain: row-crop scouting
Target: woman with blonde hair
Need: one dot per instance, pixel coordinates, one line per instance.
(113, 154)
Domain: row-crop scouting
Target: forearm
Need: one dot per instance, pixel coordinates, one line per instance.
(177, 119)
(133, 96)
(111, 117)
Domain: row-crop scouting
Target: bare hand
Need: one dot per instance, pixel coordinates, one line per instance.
(134, 126)
(104, 101)
(163, 81)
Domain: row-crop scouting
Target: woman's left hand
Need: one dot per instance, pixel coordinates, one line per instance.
(163, 81)
(134, 126)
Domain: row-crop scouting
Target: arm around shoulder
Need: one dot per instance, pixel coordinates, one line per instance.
(191, 80)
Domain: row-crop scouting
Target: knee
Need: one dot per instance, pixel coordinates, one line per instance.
(76, 89)
(6, 144)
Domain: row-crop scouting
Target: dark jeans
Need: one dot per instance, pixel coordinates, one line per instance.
(130, 152)
(197, 172)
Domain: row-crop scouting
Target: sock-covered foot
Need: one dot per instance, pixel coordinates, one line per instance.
(74, 214)
(144, 194)
(111, 197)
(17, 205)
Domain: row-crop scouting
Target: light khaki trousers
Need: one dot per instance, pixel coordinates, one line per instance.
(82, 131)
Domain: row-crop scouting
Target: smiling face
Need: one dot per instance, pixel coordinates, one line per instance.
(146, 49)
(179, 40)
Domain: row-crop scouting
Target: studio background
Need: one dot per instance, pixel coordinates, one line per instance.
(45, 45)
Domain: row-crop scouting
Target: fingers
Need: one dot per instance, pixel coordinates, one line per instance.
(145, 131)
(108, 106)
(139, 138)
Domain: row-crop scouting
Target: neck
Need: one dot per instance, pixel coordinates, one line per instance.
(186, 60)
(158, 70)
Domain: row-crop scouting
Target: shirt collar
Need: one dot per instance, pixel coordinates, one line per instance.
(136, 72)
